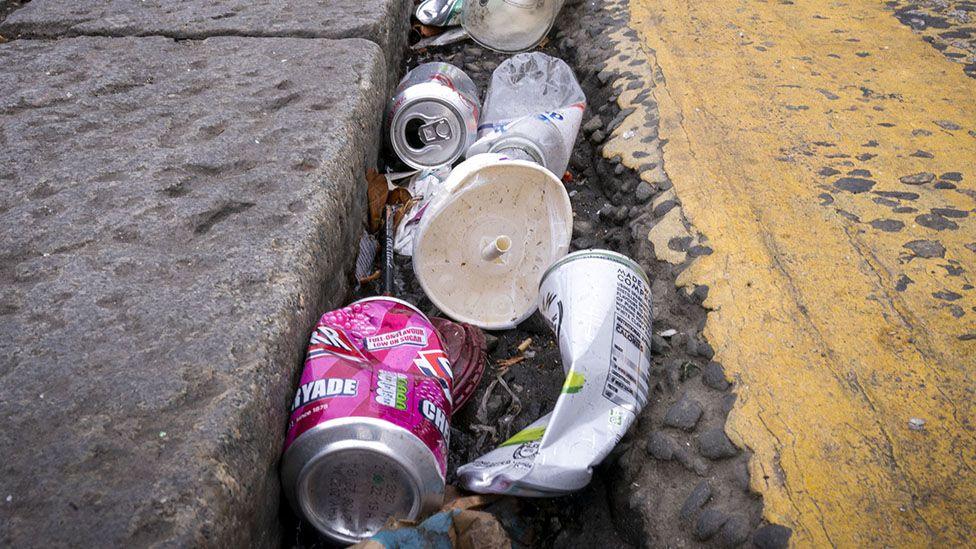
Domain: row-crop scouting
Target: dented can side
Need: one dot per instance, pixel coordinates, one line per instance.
(599, 305)
(585, 289)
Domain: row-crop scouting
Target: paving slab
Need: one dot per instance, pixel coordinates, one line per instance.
(384, 22)
(174, 216)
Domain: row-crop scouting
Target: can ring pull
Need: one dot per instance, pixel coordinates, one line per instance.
(433, 132)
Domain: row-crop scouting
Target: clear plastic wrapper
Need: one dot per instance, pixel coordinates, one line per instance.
(534, 105)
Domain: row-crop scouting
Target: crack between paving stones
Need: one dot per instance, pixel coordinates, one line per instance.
(179, 37)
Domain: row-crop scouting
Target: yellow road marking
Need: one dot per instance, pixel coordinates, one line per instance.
(843, 307)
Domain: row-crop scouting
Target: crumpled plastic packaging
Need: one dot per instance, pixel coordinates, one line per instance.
(423, 186)
(598, 304)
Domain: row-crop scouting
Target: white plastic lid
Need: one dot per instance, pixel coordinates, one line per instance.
(487, 238)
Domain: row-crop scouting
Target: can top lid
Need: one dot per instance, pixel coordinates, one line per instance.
(430, 129)
(597, 254)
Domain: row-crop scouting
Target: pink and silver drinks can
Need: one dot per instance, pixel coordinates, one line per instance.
(370, 421)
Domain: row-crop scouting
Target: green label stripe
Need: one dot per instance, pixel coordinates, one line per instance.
(525, 435)
(574, 382)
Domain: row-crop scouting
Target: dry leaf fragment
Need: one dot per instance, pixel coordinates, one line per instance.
(398, 197)
(377, 192)
(428, 30)
(506, 363)
(370, 278)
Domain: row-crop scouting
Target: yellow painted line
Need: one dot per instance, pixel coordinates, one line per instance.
(844, 311)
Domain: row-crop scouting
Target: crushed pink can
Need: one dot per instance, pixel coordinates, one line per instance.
(370, 421)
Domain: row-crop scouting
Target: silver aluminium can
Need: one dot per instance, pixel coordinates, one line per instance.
(328, 474)
(432, 118)
(599, 304)
(368, 434)
(607, 297)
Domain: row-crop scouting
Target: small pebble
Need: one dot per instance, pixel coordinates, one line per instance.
(734, 532)
(661, 446)
(772, 536)
(709, 523)
(917, 179)
(698, 497)
(916, 424)
(713, 376)
(593, 124)
(644, 191)
(491, 342)
(683, 414)
(741, 474)
(714, 444)
(620, 214)
(691, 462)
(659, 345)
(705, 350)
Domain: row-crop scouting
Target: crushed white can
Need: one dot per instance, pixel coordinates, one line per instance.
(599, 305)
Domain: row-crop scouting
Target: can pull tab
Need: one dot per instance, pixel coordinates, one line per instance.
(436, 131)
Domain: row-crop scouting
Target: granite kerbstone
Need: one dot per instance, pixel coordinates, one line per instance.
(384, 22)
(175, 216)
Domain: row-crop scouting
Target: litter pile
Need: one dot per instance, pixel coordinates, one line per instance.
(367, 445)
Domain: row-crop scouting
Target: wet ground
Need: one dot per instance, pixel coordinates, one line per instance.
(654, 488)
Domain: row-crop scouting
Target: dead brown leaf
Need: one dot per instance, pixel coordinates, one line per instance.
(427, 31)
(398, 196)
(377, 192)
